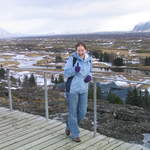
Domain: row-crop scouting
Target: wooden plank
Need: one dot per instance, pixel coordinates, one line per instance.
(52, 139)
(112, 145)
(13, 114)
(100, 144)
(86, 144)
(20, 141)
(84, 137)
(38, 142)
(6, 119)
(123, 146)
(16, 124)
(35, 125)
(4, 108)
(41, 141)
(59, 143)
(14, 119)
(2, 111)
(22, 131)
(6, 112)
(6, 115)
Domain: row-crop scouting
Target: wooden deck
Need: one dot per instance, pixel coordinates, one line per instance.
(23, 131)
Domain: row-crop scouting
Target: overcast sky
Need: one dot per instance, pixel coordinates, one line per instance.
(72, 16)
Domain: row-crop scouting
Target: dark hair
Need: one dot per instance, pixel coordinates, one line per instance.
(80, 44)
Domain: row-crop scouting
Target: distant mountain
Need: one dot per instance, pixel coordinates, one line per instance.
(142, 27)
(4, 33)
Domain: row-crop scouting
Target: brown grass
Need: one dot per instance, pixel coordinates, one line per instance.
(6, 56)
(33, 54)
(9, 63)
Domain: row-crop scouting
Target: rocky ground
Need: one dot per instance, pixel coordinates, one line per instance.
(124, 122)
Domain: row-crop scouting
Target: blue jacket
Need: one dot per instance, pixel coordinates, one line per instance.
(77, 84)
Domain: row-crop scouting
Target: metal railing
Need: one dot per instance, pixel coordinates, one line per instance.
(95, 80)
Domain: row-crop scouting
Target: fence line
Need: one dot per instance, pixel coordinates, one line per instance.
(46, 92)
(128, 81)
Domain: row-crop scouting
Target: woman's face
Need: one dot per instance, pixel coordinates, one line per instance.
(81, 51)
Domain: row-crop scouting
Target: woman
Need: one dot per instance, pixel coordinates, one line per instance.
(78, 70)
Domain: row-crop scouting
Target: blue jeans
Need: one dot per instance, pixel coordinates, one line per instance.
(77, 109)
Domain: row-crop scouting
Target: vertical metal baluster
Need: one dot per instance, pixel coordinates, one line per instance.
(9, 90)
(95, 108)
(46, 97)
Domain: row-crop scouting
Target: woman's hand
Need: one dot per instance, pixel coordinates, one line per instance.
(77, 68)
(88, 78)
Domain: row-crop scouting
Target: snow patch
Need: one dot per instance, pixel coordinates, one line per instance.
(146, 140)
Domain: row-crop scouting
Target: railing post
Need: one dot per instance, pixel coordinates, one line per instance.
(9, 90)
(46, 97)
(95, 107)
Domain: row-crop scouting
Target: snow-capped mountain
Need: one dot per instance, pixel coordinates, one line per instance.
(4, 33)
(142, 27)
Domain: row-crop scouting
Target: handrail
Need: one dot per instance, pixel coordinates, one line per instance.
(96, 77)
(128, 81)
(46, 91)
